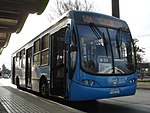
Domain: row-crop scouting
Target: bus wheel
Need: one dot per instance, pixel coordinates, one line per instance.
(44, 89)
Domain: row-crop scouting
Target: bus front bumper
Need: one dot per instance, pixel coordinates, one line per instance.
(80, 92)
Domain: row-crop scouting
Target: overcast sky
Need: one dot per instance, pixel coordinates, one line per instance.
(135, 12)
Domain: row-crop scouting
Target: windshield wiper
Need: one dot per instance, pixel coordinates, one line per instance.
(119, 41)
(99, 35)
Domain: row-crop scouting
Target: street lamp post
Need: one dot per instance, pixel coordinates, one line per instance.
(115, 8)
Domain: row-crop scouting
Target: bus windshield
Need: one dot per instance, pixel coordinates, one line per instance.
(105, 50)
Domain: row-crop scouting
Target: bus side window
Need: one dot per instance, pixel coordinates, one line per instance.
(36, 57)
(45, 50)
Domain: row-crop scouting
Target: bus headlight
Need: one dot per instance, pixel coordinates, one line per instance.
(92, 83)
(88, 82)
(132, 80)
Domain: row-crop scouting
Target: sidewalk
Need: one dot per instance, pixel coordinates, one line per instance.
(143, 85)
(2, 109)
(11, 102)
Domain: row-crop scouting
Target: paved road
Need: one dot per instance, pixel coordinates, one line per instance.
(139, 103)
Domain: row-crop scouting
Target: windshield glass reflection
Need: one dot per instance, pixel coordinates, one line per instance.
(97, 53)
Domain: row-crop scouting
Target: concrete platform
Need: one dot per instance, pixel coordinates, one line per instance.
(2, 109)
(16, 104)
(18, 101)
(14, 100)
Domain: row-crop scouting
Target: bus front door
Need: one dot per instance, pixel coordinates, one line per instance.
(28, 67)
(58, 64)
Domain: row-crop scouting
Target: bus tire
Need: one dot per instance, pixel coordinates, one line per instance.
(44, 88)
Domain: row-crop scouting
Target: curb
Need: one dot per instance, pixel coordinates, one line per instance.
(143, 85)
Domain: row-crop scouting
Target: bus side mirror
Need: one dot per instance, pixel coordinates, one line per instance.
(68, 37)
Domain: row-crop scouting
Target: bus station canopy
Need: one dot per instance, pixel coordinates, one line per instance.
(13, 14)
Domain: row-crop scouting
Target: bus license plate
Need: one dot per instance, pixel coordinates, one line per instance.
(114, 91)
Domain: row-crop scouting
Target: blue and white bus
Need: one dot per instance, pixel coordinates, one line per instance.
(82, 56)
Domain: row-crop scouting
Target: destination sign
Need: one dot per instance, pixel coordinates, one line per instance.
(98, 19)
(101, 21)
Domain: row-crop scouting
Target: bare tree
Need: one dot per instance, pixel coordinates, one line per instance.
(62, 6)
(139, 51)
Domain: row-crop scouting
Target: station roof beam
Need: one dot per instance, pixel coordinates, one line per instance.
(13, 14)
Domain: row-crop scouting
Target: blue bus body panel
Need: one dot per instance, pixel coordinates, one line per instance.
(107, 81)
(90, 87)
(79, 92)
